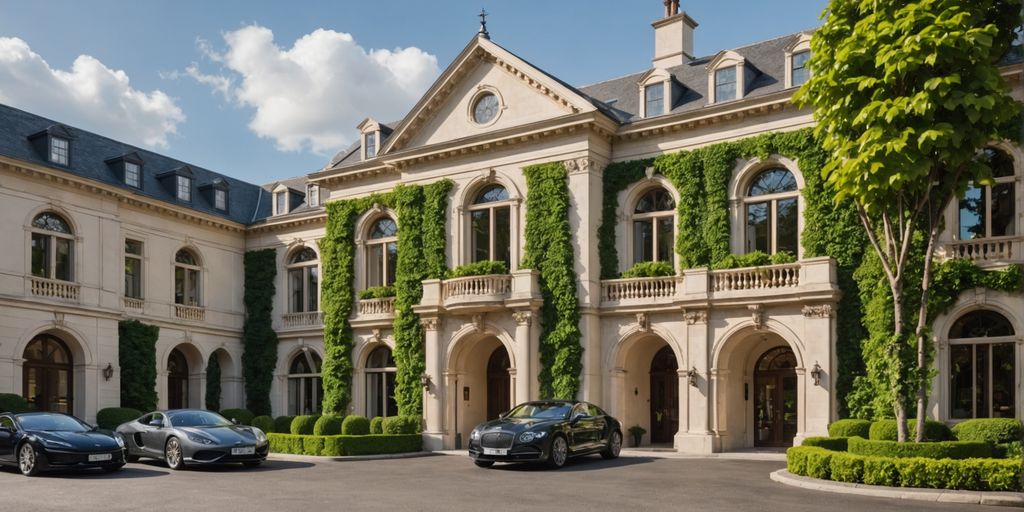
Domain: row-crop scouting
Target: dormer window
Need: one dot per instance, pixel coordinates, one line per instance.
(729, 77)
(798, 52)
(725, 84)
(220, 199)
(313, 195)
(371, 145)
(59, 150)
(132, 175)
(127, 168)
(657, 93)
(280, 203)
(654, 99)
(184, 188)
(799, 71)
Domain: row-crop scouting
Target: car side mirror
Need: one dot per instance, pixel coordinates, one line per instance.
(6, 430)
(576, 418)
(156, 423)
(234, 421)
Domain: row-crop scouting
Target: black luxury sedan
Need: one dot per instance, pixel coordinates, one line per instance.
(193, 436)
(548, 431)
(37, 441)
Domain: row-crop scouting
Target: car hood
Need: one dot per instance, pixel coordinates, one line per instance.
(233, 434)
(518, 424)
(92, 440)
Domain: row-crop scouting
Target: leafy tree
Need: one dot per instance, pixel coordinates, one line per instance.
(906, 94)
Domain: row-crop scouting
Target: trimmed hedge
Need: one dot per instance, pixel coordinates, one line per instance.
(283, 424)
(264, 423)
(327, 425)
(992, 430)
(965, 474)
(303, 425)
(111, 417)
(334, 446)
(244, 416)
(377, 292)
(9, 402)
(885, 430)
(932, 450)
(836, 444)
(479, 268)
(850, 428)
(649, 269)
(396, 425)
(377, 425)
(1012, 450)
(355, 426)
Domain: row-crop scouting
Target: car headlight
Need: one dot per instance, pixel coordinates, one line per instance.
(474, 435)
(199, 439)
(119, 439)
(529, 437)
(54, 443)
(260, 436)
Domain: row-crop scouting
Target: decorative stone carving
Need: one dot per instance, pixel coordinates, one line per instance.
(757, 315)
(478, 322)
(577, 165)
(375, 336)
(523, 317)
(430, 324)
(643, 321)
(818, 311)
(649, 171)
(58, 320)
(695, 316)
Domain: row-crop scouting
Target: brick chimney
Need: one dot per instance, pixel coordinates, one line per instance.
(673, 37)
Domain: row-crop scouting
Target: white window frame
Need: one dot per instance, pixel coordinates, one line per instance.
(301, 377)
(383, 372)
(722, 61)
(220, 199)
(974, 342)
(141, 266)
(383, 243)
(183, 187)
(188, 272)
(280, 201)
(773, 200)
(60, 150)
(305, 267)
(133, 174)
(652, 218)
(802, 43)
(313, 195)
(51, 248)
(509, 203)
(1011, 180)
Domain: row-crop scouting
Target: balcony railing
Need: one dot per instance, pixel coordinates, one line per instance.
(382, 306)
(477, 286)
(63, 290)
(642, 288)
(196, 313)
(756, 278)
(986, 249)
(134, 304)
(307, 319)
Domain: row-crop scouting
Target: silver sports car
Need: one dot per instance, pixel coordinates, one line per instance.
(193, 436)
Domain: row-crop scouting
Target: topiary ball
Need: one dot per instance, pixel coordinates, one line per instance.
(327, 425)
(355, 426)
(264, 423)
(377, 425)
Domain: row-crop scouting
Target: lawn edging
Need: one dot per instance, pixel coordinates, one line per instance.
(345, 445)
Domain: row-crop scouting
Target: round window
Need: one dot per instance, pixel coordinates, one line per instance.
(485, 109)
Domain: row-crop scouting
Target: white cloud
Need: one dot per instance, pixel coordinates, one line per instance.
(89, 95)
(312, 95)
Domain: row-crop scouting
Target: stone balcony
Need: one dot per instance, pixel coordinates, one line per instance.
(374, 312)
(54, 289)
(133, 305)
(193, 313)
(480, 294)
(641, 290)
(993, 251)
(306, 319)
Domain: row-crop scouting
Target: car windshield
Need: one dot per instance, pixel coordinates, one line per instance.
(52, 423)
(548, 410)
(197, 419)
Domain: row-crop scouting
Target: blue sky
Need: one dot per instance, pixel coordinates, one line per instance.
(204, 82)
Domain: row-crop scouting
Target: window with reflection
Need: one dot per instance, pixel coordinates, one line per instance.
(654, 99)
(381, 252)
(725, 84)
(988, 210)
(47, 375)
(52, 247)
(305, 387)
(982, 369)
(653, 226)
(490, 218)
(303, 281)
(133, 269)
(380, 384)
(186, 278)
(772, 212)
(800, 72)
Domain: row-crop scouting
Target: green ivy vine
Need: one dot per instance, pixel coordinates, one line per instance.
(213, 383)
(136, 355)
(259, 341)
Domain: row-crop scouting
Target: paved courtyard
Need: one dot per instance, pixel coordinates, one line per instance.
(437, 483)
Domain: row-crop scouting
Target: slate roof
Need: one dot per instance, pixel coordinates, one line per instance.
(247, 203)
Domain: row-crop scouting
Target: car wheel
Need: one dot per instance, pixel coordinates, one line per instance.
(483, 463)
(559, 452)
(173, 454)
(253, 464)
(113, 468)
(28, 460)
(614, 446)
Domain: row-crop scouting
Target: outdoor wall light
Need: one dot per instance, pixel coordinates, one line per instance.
(425, 380)
(816, 373)
(691, 376)
(108, 372)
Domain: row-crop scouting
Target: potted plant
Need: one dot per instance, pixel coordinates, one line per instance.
(638, 433)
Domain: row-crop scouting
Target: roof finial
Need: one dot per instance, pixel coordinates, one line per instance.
(483, 25)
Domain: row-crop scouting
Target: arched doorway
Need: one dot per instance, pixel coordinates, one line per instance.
(177, 380)
(775, 396)
(664, 396)
(47, 375)
(499, 383)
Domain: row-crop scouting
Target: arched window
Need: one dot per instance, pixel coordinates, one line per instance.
(490, 218)
(982, 369)
(53, 245)
(988, 210)
(381, 252)
(47, 375)
(772, 212)
(305, 387)
(653, 226)
(177, 380)
(186, 278)
(303, 281)
(380, 383)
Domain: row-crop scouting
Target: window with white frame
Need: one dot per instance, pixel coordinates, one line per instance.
(60, 149)
(370, 145)
(303, 281)
(380, 384)
(772, 212)
(490, 218)
(186, 278)
(800, 73)
(381, 252)
(280, 203)
(654, 226)
(132, 174)
(982, 366)
(305, 386)
(220, 199)
(654, 99)
(989, 210)
(725, 84)
(133, 269)
(184, 187)
(53, 245)
(313, 195)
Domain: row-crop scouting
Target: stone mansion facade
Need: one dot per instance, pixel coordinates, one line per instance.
(705, 360)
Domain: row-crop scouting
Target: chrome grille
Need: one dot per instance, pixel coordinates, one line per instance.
(497, 440)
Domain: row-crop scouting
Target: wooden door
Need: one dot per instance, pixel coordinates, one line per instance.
(499, 384)
(775, 398)
(664, 396)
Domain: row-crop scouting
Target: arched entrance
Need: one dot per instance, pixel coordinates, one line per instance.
(775, 397)
(47, 375)
(664, 396)
(499, 383)
(177, 380)
(478, 384)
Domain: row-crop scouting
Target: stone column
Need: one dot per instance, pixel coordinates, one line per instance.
(451, 398)
(521, 389)
(161, 389)
(617, 390)
(698, 436)
(433, 410)
(816, 403)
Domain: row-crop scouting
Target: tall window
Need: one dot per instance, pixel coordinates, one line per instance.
(59, 150)
(772, 212)
(800, 72)
(305, 387)
(47, 375)
(725, 84)
(491, 225)
(380, 384)
(132, 175)
(382, 253)
(184, 188)
(220, 199)
(303, 281)
(280, 203)
(52, 247)
(988, 210)
(313, 195)
(186, 278)
(371, 145)
(653, 233)
(982, 367)
(654, 99)
(177, 380)
(133, 269)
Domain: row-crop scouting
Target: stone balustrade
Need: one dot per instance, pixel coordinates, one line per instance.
(382, 306)
(489, 285)
(52, 288)
(639, 289)
(480, 294)
(194, 313)
(981, 250)
(134, 304)
(307, 319)
(756, 278)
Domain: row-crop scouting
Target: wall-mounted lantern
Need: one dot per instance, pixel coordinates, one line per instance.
(691, 376)
(816, 373)
(108, 372)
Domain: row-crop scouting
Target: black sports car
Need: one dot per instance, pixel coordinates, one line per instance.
(193, 436)
(36, 441)
(548, 431)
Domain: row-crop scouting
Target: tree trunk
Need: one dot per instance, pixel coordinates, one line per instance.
(900, 410)
(922, 325)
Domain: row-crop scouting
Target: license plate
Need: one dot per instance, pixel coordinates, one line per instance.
(100, 457)
(245, 450)
(495, 451)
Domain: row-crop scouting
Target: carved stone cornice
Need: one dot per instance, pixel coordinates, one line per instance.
(818, 311)
(695, 316)
(430, 324)
(523, 317)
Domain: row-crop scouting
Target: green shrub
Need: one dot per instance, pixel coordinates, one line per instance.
(930, 450)
(334, 446)
(395, 425)
(850, 428)
(283, 424)
(303, 425)
(649, 269)
(480, 268)
(781, 258)
(847, 469)
(1008, 450)
(377, 292)
(264, 423)
(885, 430)
(355, 426)
(796, 459)
(243, 416)
(880, 471)
(377, 425)
(992, 430)
(111, 417)
(10, 402)
(819, 464)
(327, 425)
(836, 444)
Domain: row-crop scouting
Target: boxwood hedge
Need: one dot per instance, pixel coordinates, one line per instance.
(111, 417)
(377, 425)
(885, 430)
(343, 445)
(829, 443)
(850, 428)
(303, 425)
(264, 423)
(931, 450)
(327, 425)
(243, 416)
(992, 430)
(355, 426)
(283, 424)
(402, 425)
